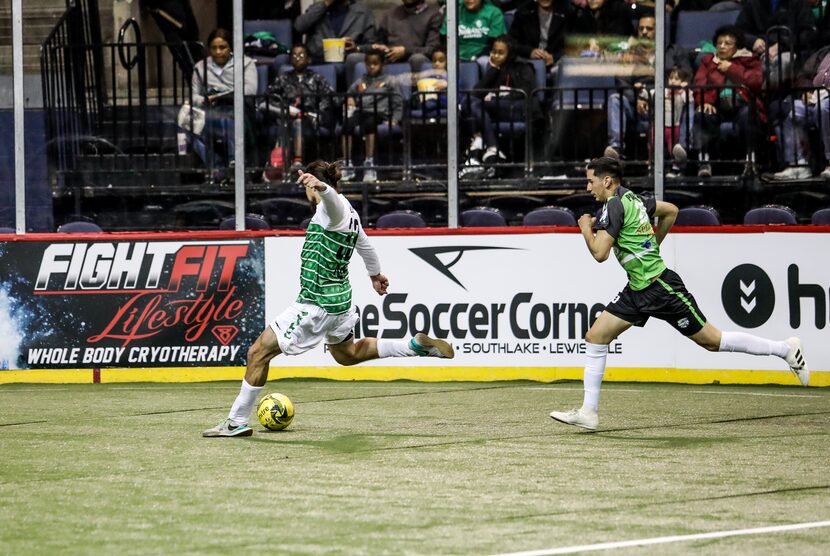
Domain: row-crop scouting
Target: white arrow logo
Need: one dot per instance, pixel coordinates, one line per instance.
(747, 300)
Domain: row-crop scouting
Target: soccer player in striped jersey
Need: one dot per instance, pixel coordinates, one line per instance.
(323, 310)
(624, 225)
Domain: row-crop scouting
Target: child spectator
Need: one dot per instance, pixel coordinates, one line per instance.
(431, 84)
(509, 76)
(373, 99)
(309, 99)
(479, 22)
(678, 115)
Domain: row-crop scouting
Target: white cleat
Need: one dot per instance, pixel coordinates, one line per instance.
(795, 359)
(425, 346)
(582, 417)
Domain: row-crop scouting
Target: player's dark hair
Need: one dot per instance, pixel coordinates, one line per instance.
(606, 166)
(327, 172)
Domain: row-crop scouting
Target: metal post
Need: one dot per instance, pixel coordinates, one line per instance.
(239, 115)
(452, 114)
(19, 113)
(659, 95)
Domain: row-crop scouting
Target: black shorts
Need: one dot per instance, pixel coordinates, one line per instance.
(666, 299)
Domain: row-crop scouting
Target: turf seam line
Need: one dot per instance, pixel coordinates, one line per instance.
(671, 539)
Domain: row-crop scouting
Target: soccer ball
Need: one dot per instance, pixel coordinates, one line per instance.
(275, 411)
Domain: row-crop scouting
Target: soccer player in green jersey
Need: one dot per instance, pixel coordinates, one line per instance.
(323, 310)
(624, 226)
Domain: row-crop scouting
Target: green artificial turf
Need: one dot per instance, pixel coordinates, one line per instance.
(410, 468)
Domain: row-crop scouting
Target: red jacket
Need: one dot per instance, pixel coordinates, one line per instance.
(745, 70)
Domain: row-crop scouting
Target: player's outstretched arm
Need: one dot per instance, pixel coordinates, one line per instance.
(666, 214)
(599, 244)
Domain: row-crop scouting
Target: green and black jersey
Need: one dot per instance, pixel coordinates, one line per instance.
(331, 238)
(627, 218)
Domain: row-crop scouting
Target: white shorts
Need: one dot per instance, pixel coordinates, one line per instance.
(302, 327)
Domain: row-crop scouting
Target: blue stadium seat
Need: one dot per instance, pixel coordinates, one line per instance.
(6, 230)
(581, 88)
(695, 26)
(508, 18)
(262, 79)
(550, 216)
(771, 214)
(401, 219)
(283, 212)
(252, 222)
(821, 217)
(79, 227)
(280, 28)
(482, 217)
(468, 75)
(698, 216)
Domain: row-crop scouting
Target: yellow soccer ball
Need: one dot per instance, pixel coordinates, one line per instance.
(275, 411)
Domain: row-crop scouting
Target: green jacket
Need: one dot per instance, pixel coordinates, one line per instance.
(477, 29)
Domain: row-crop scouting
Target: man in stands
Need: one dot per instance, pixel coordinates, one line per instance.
(539, 28)
(410, 33)
(326, 19)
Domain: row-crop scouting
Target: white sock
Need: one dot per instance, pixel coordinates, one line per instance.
(244, 403)
(742, 342)
(594, 371)
(394, 348)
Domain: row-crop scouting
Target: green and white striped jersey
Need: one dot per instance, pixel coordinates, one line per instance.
(627, 218)
(332, 236)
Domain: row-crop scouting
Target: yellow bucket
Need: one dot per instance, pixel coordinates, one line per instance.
(334, 50)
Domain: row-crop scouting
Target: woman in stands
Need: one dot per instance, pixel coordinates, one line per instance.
(739, 77)
(212, 89)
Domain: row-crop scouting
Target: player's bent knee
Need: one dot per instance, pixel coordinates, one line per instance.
(344, 358)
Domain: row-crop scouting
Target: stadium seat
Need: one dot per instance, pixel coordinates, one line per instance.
(79, 227)
(696, 26)
(433, 209)
(283, 212)
(482, 217)
(580, 89)
(206, 213)
(821, 217)
(550, 216)
(468, 74)
(252, 222)
(401, 219)
(698, 216)
(514, 207)
(280, 28)
(6, 230)
(304, 224)
(508, 18)
(771, 214)
(262, 78)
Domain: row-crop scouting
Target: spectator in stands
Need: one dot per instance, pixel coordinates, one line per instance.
(479, 23)
(601, 17)
(260, 9)
(212, 87)
(631, 102)
(539, 28)
(739, 75)
(432, 83)
(177, 23)
(326, 19)
(410, 33)
(756, 18)
(813, 106)
(506, 74)
(372, 100)
(309, 99)
(678, 110)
